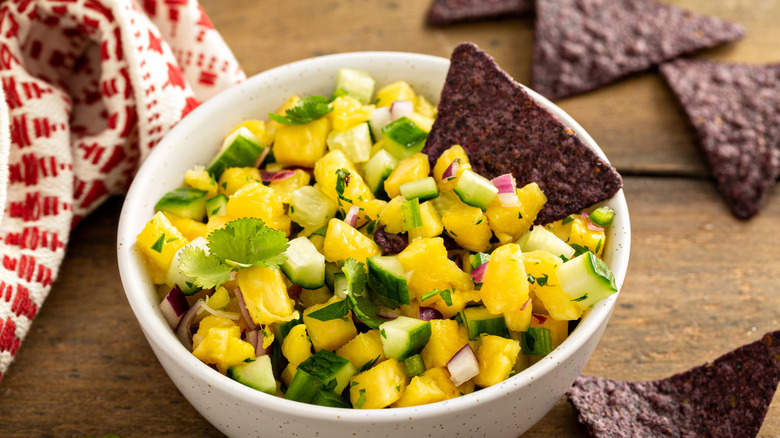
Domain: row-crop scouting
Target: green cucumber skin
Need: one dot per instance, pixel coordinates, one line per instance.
(415, 365)
(404, 336)
(536, 342)
(257, 374)
(385, 279)
(215, 206)
(475, 190)
(403, 138)
(240, 151)
(185, 202)
(357, 83)
(305, 266)
(540, 238)
(478, 321)
(586, 279)
(376, 170)
(327, 367)
(422, 189)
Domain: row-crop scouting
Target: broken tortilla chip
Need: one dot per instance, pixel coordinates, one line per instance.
(726, 398)
(581, 45)
(446, 12)
(735, 109)
(505, 130)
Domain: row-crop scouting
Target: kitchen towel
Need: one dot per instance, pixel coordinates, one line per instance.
(88, 88)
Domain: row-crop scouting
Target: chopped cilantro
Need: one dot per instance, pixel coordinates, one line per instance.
(582, 298)
(362, 399)
(242, 243)
(357, 300)
(446, 295)
(308, 110)
(157, 246)
(369, 364)
(567, 219)
(578, 249)
(342, 182)
(541, 281)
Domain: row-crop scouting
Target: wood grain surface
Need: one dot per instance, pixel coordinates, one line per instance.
(699, 283)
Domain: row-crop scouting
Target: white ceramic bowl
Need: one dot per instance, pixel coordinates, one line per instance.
(504, 410)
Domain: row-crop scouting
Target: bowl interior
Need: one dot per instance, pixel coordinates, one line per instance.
(197, 138)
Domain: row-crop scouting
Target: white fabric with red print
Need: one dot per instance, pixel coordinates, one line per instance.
(88, 88)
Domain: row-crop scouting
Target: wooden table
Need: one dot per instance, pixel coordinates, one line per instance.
(700, 282)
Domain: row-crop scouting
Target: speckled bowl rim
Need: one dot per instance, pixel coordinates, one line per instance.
(136, 285)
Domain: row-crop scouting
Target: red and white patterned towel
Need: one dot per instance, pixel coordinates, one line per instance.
(88, 88)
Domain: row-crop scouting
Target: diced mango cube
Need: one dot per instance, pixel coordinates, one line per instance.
(444, 161)
(540, 265)
(392, 216)
(296, 346)
(399, 90)
(559, 330)
(258, 201)
(421, 390)
(379, 387)
(468, 226)
(447, 337)
(159, 240)
(221, 344)
(302, 145)
(432, 225)
(233, 178)
(505, 286)
(497, 357)
(191, 229)
(343, 241)
(348, 112)
(259, 129)
(331, 334)
(199, 178)
(265, 295)
(590, 237)
(335, 172)
(441, 376)
(363, 348)
(409, 169)
(510, 223)
(284, 187)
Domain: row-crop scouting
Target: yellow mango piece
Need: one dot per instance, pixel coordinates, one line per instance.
(468, 226)
(310, 297)
(424, 107)
(379, 387)
(302, 145)
(332, 334)
(497, 357)
(271, 126)
(392, 216)
(233, 178)
(399, 90)
(284, 187)
(265, 295)
(348, 112)
(363, 348)
(518, 320)
(288, 373)
(409, 169)
(343, 241)
(505, 286)
(296, 346)
(447, 337)
(191, 229)
(258, 201)
(159, 240)
(326, 173)
(510, 223)
(561, 228)
(258, 128)
(427, 267)
(219, 299)
(541, 266)
(199, 178)
(222, 345)
(441, 376)
(422, 390)
(581, 234)
(423, 122)
(432, 225)
(444, 161)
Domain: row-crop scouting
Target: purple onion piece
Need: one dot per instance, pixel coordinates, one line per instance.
(183, 331)
(478, 274)
(267, 176)
(173, 306)
(463, 365)
(429, 313)
(244, 311)
(401, 108)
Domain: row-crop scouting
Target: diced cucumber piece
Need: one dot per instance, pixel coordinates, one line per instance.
(311, 208)
(257, 374)
(410, 211)
(403, 138)
(175, 277)
(586, 279)
(355, 142)
(414, 365)
(475, 190)
(185, 202)
(215, 206)
(331, 269)
(540, 238)
(324, 371)
(340, 285)
(357, 83)
(240, 149)
(403, 337)
(376, 171)
(282, 329)
(536, 341)
(305, 266)
(602, 216)
(387, 278)
(422, 189)
(478, 320)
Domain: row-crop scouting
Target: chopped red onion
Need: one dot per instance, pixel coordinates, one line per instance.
(173, 306)
(267, 176)
(540, 318)
(429, 313)
(527, 302)
(379, 119)
(463, 365)
(451, 172)
(256, 339)
(401, 108)
(261, 158)
(183, 330)
(352, 216)
(244, 311)
(478, 274)
(507, 190)
(591, 225)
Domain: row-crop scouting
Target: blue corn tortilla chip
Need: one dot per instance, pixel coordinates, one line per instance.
(505, 130)
(446, 12)
(726, 398)
(735, 110)
(581, 45)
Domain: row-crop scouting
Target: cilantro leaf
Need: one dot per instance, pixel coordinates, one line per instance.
(308, 110)
(207, 270)
(361, 305)
(446, 295)
(248, 242)
(335, 310)
(342, 182)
